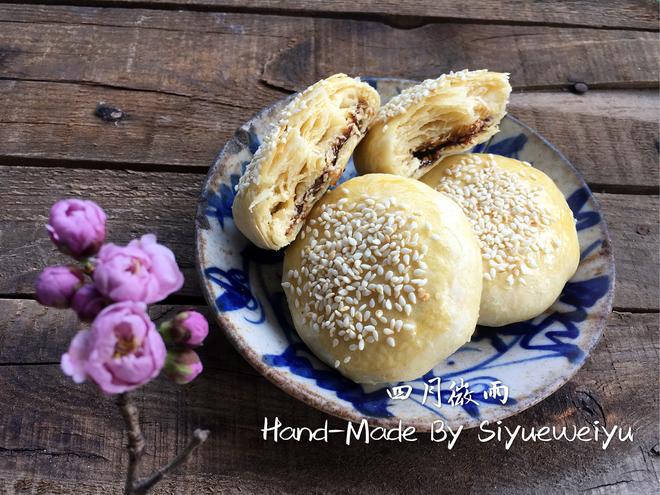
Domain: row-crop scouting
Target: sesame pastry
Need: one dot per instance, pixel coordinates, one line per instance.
(304, 153)
(384, 280)
(526, 231)
(436, 118)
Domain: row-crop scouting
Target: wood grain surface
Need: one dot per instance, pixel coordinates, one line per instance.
(184, 74)
(73, 431)
(235, 57)
(165, 203)
(158, 131)
(640, 14)
(188, 81)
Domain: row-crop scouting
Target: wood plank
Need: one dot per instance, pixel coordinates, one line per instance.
(55, 435)
(165, 203)
(593, 130)
(159, 129)
(610, 136)
(228, 57)
(639, 14)
(33, 334)
(136, 202)
(633, 225)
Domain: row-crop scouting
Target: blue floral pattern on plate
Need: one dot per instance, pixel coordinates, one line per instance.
(242, 284)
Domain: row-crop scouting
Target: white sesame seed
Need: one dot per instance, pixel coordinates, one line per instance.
(505, 212)
(354, 251)
(401, 102)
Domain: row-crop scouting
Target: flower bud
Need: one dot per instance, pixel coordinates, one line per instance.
(188, 328)
(77, 227)
(56, 285)
(88, 302)
(182, 366)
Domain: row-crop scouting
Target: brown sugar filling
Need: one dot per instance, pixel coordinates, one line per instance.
(430, 152)
(305, 203)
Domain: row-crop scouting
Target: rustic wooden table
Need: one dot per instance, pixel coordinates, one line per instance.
(186, 73)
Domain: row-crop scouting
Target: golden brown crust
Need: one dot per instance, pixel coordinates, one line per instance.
(526, 231)
(384, 280)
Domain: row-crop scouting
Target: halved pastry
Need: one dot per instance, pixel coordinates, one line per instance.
(436, 118)
(303, 155)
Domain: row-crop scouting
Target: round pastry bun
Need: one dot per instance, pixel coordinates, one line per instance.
(526, 231)
(384, 281)
(436, 118)
(304, 154)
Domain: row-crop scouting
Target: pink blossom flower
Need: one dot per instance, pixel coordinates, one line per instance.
(77, 227)
(182, 366)
(141, 271)
(88, 302)
(120, 352)
(188, 328)
(56, 285)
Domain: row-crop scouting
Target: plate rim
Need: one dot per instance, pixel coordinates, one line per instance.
(306, 394)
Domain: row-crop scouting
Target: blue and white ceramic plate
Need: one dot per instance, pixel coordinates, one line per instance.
(531, 359)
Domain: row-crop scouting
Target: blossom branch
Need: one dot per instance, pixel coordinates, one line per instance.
(115, 302)
(136, 447)
(199, 437)
(135, 439)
